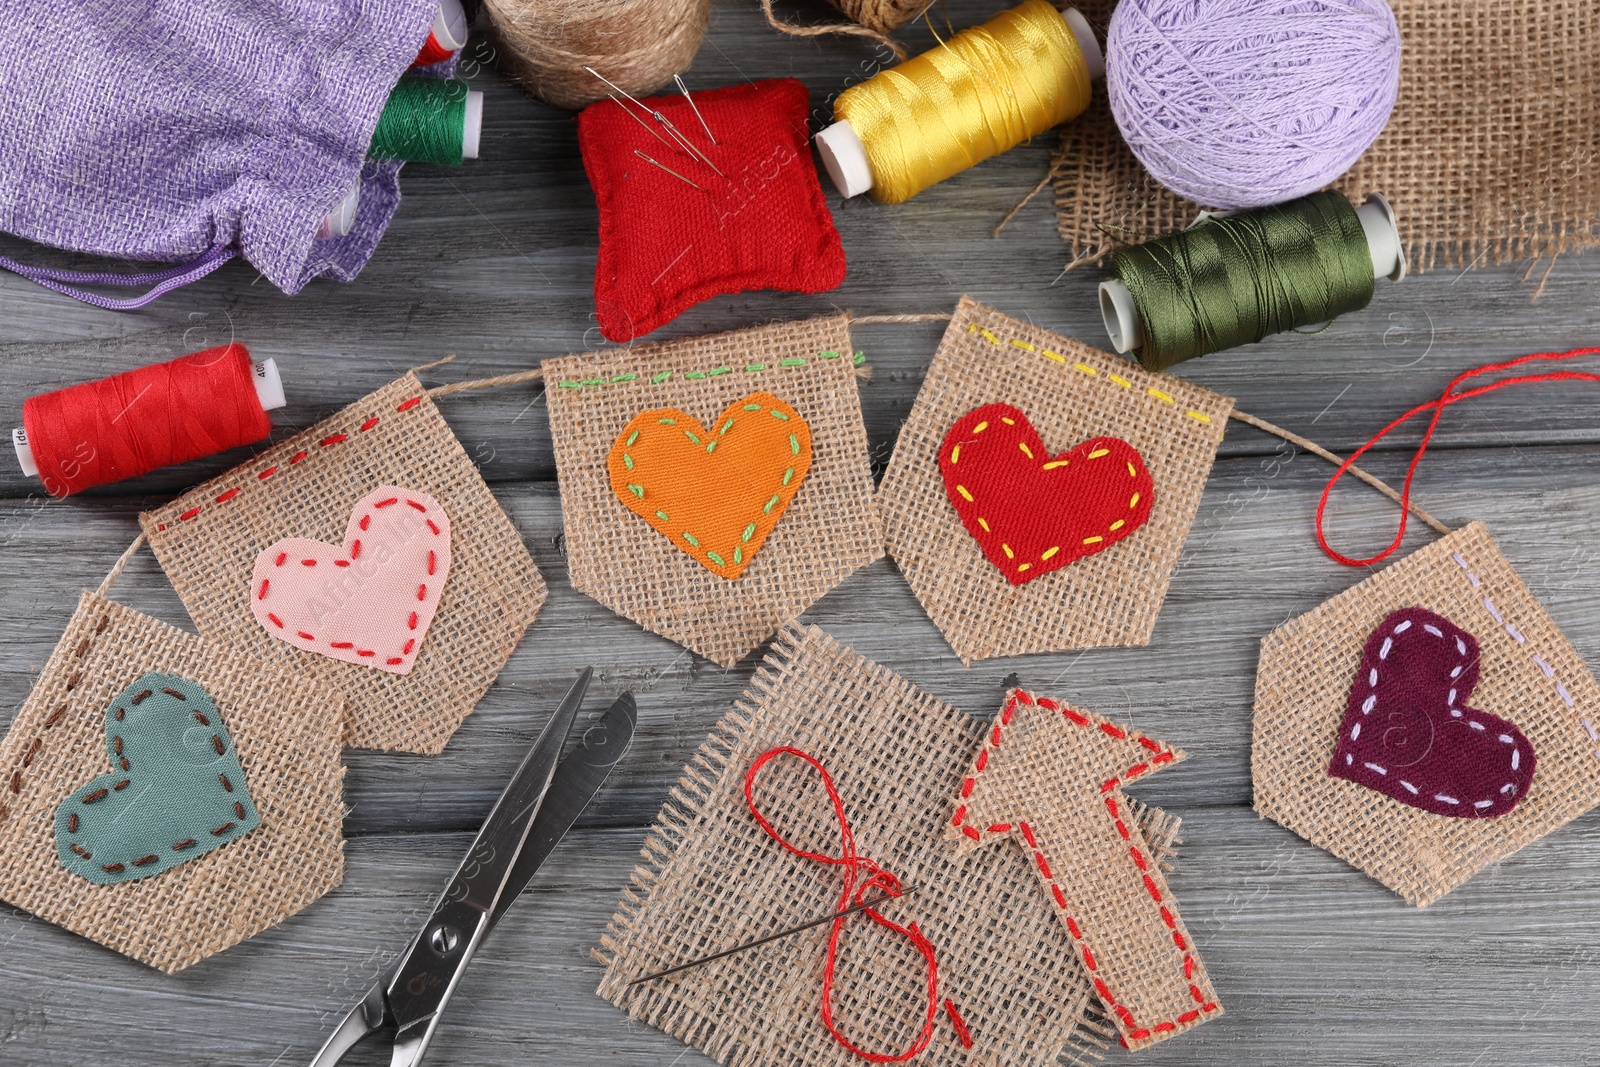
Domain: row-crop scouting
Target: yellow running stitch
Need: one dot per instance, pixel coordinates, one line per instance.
(1084, 368)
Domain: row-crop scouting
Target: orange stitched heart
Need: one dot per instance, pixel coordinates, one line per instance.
(717, 493)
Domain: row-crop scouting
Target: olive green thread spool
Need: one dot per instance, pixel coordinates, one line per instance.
(429, 120)
(1233, 279)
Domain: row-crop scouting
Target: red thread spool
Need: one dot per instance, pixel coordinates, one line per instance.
(446, 38)
(157, 416)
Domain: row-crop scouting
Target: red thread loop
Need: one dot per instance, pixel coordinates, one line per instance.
(1445, 399)
(862, 876)
(150, 417)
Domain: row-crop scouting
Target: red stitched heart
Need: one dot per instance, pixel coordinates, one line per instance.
(1031, 512)
(368, 601)
(1408, 733)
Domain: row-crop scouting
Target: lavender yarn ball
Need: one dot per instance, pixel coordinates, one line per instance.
(1244, 103)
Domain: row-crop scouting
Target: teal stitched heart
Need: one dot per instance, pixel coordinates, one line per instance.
(177, 790)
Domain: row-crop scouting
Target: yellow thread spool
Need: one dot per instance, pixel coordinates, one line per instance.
(983, 92)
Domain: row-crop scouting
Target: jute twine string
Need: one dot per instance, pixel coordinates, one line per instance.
(638, 44)
(869, 19)
(1244, 417)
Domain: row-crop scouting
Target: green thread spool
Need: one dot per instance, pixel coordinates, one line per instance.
(1233, 279)
(429, 120)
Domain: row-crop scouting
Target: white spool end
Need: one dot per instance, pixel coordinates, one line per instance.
(450, 26)
(1383, 238)
(19, 441)
(1121, 316)
(342, 219)
(474, 126)
(1094, 58)
(269, 385)
(845, 158)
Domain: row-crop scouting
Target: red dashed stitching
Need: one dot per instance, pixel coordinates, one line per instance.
(1162, 755)
(331, 439)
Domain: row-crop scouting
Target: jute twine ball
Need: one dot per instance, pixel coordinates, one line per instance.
(1243, 103)
(638, 44)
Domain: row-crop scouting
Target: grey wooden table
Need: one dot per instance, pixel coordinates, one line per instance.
(494, 261)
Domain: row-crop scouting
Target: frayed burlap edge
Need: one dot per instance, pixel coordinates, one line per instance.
(736, 1010)
(1519, 80)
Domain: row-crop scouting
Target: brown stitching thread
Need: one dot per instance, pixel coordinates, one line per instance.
(100, 627)
(144, 860)
(120, 786)
(16, 781)
(224, 828)
(116, 745)
(216, 743)
(72, 683)
(72, 825)
(97, 795)
(113, 868)
(238, 809)
(83, 646)
(55, 716)
(201, 719)
(181, 845)
(136, 700)
(85, 853)
(174, 693)
(225, 783)
(120, 713)
(33, 750)
(124, 762)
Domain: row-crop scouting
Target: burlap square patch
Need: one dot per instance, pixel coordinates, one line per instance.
(1071, 393)
(829, 529)
(713, 879)
(208, 539)
(286, 732)
(1488, 155)
(1529, 675)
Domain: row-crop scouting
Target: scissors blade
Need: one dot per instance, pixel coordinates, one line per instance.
(367, 1016)
(428, 972)
(576, 781)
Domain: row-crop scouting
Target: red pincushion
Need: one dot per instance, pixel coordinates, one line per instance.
(665, 246)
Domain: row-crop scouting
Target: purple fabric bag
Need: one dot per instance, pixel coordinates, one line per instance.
(197, 130)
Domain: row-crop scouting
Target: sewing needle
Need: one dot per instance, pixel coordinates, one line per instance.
(641, 122)
(666, 168)
(773, 937)
(684, 89)
(659, 117)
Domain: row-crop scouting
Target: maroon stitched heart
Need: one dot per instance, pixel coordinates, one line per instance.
(1409, 734)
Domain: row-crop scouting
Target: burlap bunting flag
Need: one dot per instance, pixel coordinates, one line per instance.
(1011, 985)
(1072, 395)
(283, 732)
(716, 487)
(1316, 686)
(1488, 155)
(461, 587)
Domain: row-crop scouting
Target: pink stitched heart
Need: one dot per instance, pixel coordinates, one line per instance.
(1408, 732)
(368, 601)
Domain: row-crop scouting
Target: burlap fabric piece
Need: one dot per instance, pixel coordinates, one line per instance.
(1071, 393)
(208, 538)
(286, 731)
(829, 529)
(1304, 680)
(1488, 155)
(712, 879)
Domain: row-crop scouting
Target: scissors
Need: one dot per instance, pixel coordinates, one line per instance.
(539, 805)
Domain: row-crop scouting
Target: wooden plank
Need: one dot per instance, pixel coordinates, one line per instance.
(494, 261)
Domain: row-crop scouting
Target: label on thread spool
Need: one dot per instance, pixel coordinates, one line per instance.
(845, 157)
(264, 376)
